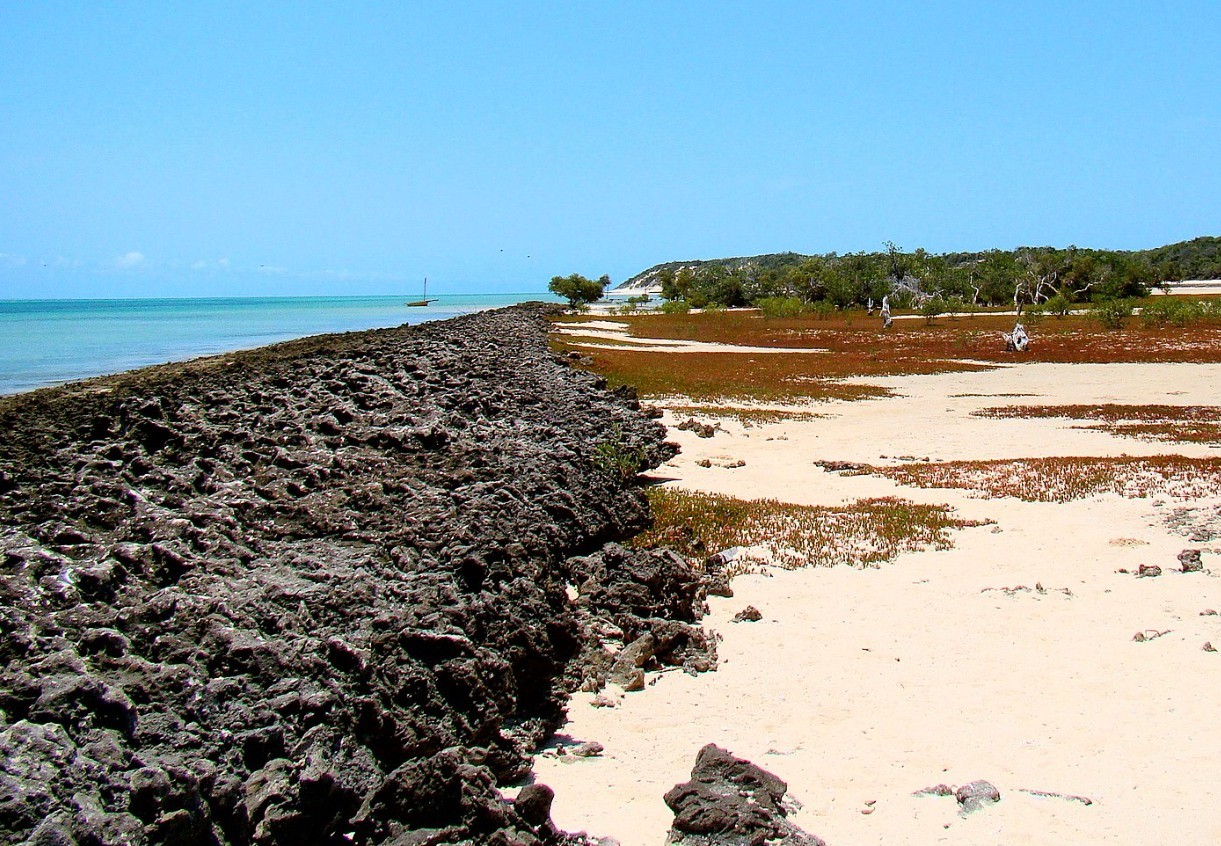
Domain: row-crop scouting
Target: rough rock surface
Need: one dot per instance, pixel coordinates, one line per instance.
(749, 614)
(1199, 523)
(1189, 561)
(701, 430)
(314, 593)
(731, 802)
(645, 600)
(978, 794)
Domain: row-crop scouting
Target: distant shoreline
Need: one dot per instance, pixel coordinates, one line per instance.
(539, 295)
(54, 341)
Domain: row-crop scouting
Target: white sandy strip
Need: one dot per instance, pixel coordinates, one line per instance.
(869, 685)
(586, 326)
(599, 329)
(622, 338)
(1210, 287)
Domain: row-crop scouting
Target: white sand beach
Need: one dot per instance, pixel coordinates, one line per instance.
(606, 334)
(1199, 287)
(861, 687)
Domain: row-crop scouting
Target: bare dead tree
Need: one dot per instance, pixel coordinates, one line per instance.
(1093, 280)
(911, 286)
(1037, 284)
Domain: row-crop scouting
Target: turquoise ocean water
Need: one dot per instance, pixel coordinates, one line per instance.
(48, 342)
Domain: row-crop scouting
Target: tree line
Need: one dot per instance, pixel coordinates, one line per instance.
(1040, 276)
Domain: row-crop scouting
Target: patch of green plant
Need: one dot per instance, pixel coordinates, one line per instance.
(775, 307)
(822, 309)
(1111, 314)
(570, 340)
(1058, 305)
(1033, 315)
(615, 457)
(1174, 311)
(931, 308)
(746, 416)
(1065, 479)
(724, 376)
(1175, 423)
(862, 534)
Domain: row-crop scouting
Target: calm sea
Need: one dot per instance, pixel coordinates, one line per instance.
(47, 342)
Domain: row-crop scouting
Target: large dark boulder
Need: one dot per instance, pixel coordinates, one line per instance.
(731, 802)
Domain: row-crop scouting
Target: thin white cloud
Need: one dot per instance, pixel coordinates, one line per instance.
(272, 268)
(208, 264)
(62, 261)
(342, 275)
(11, 259)
(345, 275)
(132, 259)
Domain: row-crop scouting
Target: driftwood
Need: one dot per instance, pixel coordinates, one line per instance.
(886, 318)
(1017, 340)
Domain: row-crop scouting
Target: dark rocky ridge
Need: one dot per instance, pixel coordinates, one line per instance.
(316, 593)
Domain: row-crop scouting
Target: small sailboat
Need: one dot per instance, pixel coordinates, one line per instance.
(424, 300)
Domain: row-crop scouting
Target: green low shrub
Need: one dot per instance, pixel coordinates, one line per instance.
(1111, 314)
(1057, 305)
(932, 307)
(1172, 311)
(1033, 315)
(783, 307)
(822, 309)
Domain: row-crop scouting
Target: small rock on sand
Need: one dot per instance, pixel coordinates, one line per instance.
(701, 430)
(533, 803)
(1068, 797)
(976, 795)
(749, 614)
(588, 749)
(935, 790)
(1190, 559)
(1149, 634)
(731, 801)
(626, 669)
(634, 681)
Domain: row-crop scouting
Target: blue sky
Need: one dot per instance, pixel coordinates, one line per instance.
(172, 149)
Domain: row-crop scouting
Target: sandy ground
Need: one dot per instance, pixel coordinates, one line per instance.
(617, 335)
(1210, 287)
(867, 685)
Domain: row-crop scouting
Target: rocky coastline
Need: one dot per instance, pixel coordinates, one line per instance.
(330, 591)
